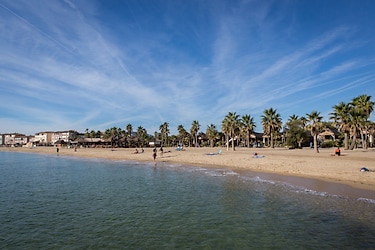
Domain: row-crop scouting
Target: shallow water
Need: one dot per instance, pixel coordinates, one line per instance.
(62, 202)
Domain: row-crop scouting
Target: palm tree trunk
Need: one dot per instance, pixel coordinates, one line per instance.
(364, 139)
(352, 145)
(346, 140)
(233, 142)
(316, 143)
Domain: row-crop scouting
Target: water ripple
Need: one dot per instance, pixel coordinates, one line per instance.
(57, 202)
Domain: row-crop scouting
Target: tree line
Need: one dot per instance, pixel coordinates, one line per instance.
(350, 119)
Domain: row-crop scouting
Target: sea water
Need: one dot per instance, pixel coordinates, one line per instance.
(59, 202)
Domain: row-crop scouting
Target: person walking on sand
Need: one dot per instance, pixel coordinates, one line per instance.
(161, 151)
(154, 154)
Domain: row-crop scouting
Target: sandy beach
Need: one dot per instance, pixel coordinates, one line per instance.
(299, 166)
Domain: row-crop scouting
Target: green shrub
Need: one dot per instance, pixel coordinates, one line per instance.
(329, 144)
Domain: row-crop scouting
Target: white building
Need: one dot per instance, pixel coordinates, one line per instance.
(44, 138)
(66, 136)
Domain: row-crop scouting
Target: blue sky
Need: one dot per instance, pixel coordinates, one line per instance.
(98, 64)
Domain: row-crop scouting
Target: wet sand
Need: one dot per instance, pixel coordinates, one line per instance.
(321, 172)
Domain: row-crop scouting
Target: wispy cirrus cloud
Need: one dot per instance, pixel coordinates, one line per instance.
(81, 67)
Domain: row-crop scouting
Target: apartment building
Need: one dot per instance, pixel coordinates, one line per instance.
(66, 136)
(43, 138)
(46, 138)
(14, 139)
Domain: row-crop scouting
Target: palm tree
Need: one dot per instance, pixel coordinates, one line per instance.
(247, 127)
(114, 134)
(304, 121)
(352, 119)
(98, 134)
(293, 118)
(315, 125)
(164, 131)
(87, 133)
(194, 131)
(340, 118)
(141, 135)
(356, 123)
(172, 140)
(271, 121)
(92, 134)
(364, 106)
(129, 131)
(183, 134)
(107, 133)
(230, 126)
(225, 129)
(211, 133)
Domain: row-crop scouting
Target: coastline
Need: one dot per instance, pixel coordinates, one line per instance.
(302, 167)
